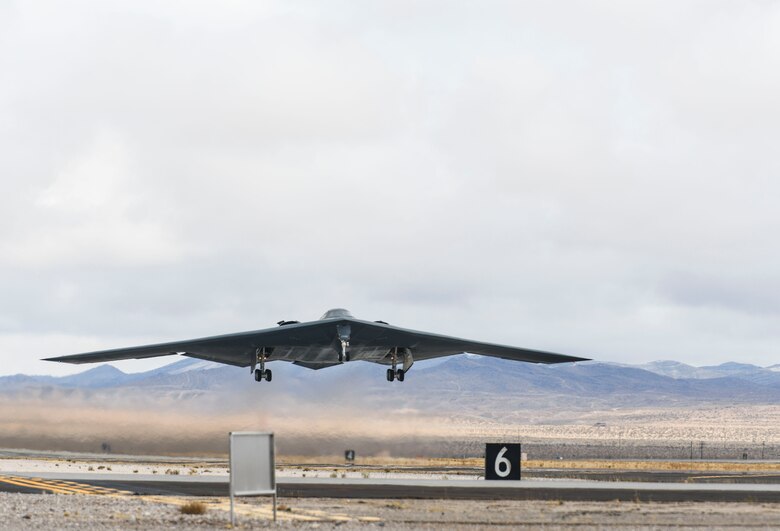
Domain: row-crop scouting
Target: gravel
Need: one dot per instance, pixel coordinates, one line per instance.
(56, 511)
(60, 511)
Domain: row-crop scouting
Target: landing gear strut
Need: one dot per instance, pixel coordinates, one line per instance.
(262, 373)
(344, 353)
(344, 331)
(395, 373)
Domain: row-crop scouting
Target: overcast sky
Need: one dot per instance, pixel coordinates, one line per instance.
(593, 178)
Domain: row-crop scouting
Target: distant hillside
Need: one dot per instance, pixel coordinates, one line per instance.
(753, 373)
(441, 387)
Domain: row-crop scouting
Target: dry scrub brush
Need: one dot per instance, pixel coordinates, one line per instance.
(193, 507)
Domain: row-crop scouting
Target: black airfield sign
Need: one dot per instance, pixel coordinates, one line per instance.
(502, 461)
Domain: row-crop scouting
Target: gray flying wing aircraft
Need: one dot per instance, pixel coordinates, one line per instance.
(337, 337)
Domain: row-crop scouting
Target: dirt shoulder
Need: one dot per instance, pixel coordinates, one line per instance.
(35, 511)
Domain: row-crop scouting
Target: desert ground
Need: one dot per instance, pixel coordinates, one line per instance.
(123, 511)
(164, 428)
(48, 511)
(20, 461)
(311, 441)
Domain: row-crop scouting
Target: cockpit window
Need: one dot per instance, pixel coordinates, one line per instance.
(337, 313)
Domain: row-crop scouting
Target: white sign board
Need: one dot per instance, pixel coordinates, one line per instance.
(252, 466)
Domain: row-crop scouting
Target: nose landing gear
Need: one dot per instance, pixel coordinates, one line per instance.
(344, 331)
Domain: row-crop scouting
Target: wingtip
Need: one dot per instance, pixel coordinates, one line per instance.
(573, 359)
(61, 359)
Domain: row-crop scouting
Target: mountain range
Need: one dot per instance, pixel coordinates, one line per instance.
(443, 383)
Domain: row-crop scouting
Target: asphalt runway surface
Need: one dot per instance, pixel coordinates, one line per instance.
(565, 490)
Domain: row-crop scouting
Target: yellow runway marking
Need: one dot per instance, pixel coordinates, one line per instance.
(242, 509)
(58, 487)
(21, 482)
(90, 489)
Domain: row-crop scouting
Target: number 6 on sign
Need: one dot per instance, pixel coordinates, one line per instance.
(503, 466)
(502, 461)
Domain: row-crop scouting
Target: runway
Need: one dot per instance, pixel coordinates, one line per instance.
(454, 489)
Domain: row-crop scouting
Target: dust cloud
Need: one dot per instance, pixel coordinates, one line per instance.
(135, 424)
(144, 422)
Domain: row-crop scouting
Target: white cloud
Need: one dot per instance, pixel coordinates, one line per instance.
(93, 215)
(596, 178)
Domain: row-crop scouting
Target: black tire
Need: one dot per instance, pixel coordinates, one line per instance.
(390, 375)
(400, 375)
(268, 375)
(258, 375)
(346, 356)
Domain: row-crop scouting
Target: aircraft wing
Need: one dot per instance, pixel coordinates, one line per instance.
(233, 349)
(425, 345)
(304, 344)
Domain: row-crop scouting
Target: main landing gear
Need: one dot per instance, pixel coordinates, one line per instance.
(262, 373)
(395, 373)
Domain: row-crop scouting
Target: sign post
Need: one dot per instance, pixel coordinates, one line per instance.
(502, 461)
(349, 457)
(252, 467)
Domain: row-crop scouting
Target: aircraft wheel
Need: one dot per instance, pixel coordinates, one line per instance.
(390, 375)
(268, 375)
(258, 375)
(346, 356)
(400, 375)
